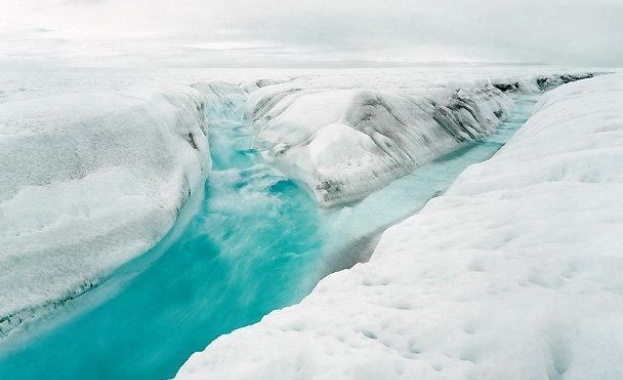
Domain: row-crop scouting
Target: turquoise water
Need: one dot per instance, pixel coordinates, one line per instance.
(407, 195)
(255, 243)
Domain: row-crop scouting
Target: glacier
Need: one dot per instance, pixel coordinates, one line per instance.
(221, 265)
(95, 166)
(211, 270)
(96, 174)
(89, 181)
(96, 163)
(345, 143)
(512, 273)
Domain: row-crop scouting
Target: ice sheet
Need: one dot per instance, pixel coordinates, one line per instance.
(513, 273)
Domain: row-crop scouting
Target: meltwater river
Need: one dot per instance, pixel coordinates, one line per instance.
(252, 243)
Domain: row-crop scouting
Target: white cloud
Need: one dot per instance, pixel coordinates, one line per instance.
(270, 32)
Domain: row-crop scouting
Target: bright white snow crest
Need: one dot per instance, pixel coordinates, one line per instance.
(87, 182)
(514, 273)
(346, 143)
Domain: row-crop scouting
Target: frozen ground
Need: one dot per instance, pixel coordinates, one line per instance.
(210, 275)
(96, 163)
(514, 273)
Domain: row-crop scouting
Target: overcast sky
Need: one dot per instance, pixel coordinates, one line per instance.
(308, 33)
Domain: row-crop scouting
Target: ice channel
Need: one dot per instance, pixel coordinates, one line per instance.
(253, 243)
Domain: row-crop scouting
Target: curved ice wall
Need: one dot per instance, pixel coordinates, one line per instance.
(88, 182)
(345, 143)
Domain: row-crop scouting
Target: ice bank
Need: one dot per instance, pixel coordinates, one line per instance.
(344, 142)
(514, 273)
(87, 182)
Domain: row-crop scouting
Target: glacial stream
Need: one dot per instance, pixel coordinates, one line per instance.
(252, 243)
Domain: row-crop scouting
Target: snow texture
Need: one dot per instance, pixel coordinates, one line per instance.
(345, 143)
(87, 182)
(96, 163)
(514, 273)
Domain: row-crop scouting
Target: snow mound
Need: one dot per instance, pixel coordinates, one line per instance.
(345, 143)
(514, 273)
(87, 182)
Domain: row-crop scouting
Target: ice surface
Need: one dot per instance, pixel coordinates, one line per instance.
(514, 273)
(87, 182)
(245, 250)
(95, 163)
(242, 274)
(214, 257)
(344, 143)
